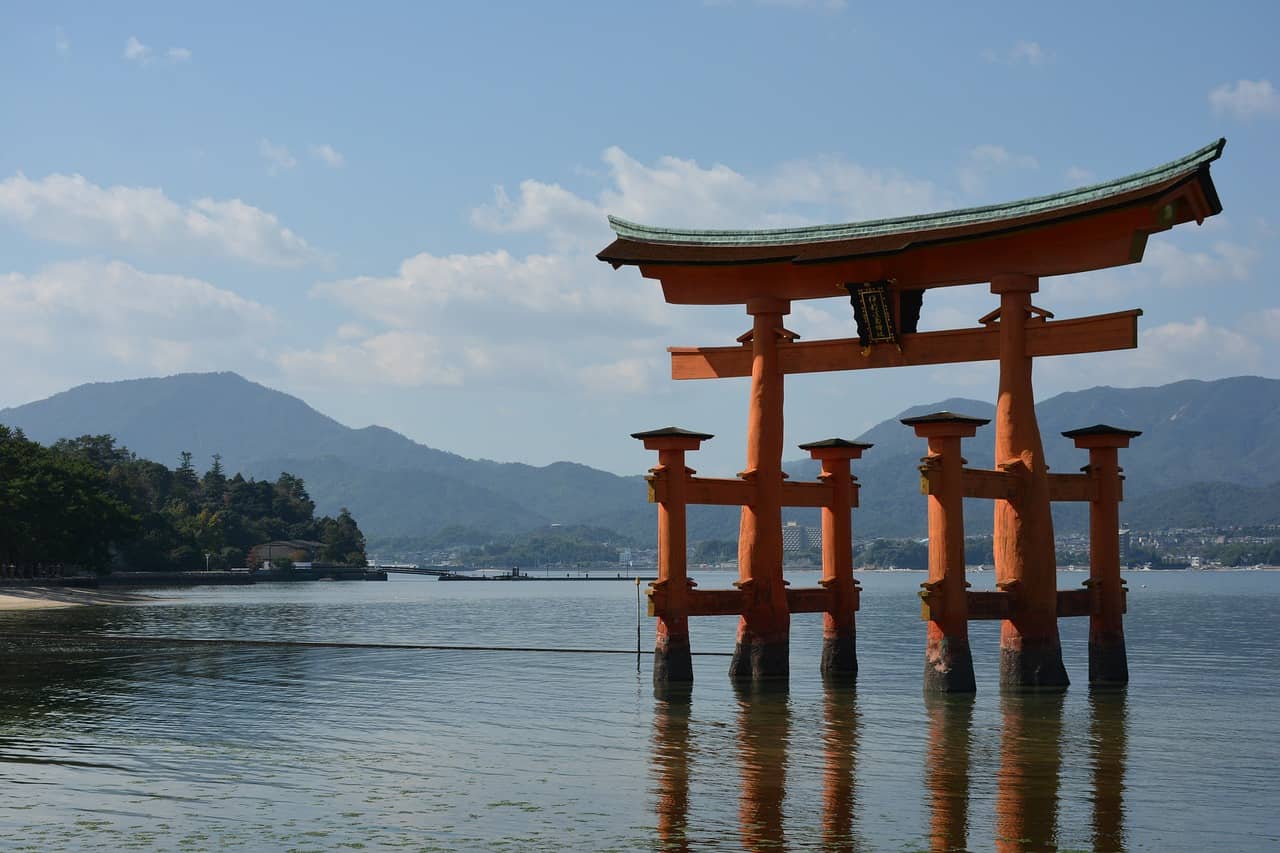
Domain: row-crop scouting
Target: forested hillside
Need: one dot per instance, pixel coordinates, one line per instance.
(90, 504)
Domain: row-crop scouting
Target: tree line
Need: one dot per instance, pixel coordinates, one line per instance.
(90, 504)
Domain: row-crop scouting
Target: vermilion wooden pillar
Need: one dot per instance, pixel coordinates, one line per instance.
(839, 631)
(1108, 661)
(1025, 564)
(672, 658)
(948, 663)
(762, 650)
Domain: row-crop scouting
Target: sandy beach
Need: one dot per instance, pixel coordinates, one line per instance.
(47, 598)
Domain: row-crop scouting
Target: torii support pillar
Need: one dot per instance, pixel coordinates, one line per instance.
(1030, 651)
(839, 630)
(672, 657)
(1108, 661)
(763, 648)
(948, 662)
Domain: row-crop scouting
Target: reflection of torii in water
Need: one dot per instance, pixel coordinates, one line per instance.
(885, 266)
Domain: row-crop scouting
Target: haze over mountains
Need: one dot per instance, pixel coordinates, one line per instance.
(1210, 454)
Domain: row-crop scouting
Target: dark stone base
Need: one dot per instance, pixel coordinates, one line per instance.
(1035, 666)
(948, 667)
(757, 660)
(1108, 663)
(839, 657)
(673, 662)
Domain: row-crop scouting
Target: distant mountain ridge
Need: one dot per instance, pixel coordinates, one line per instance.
(1209, 450)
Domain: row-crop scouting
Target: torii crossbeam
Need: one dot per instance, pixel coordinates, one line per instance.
(884, 267)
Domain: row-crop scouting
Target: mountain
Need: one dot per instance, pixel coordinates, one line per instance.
(1218, 438)
(394, 486)
(1210, 451)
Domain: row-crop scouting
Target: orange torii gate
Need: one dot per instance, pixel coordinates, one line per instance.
(885, 267)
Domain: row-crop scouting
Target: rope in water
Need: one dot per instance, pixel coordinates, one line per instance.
(302, 644)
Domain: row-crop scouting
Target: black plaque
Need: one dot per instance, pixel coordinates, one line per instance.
(873, 312)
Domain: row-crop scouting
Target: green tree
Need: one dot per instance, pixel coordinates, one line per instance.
(213, 488)
(343, 541)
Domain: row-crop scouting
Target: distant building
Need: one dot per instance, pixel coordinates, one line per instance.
(1124, 545)
(796, 537)
(293, 550)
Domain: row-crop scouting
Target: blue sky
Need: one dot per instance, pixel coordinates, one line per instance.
(392, 211)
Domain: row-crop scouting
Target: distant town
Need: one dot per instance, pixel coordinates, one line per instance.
(577, 548)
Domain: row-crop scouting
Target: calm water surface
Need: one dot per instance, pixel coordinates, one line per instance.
(109, 745)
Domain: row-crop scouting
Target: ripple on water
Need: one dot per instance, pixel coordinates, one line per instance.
(105, 745)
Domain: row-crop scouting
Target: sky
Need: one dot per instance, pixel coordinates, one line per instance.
(392, 210)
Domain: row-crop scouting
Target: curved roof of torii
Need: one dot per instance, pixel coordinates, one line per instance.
(1088, 228)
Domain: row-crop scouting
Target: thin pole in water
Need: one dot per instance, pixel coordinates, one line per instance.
(637, 624)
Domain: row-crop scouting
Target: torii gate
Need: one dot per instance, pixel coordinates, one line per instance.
(885, 266)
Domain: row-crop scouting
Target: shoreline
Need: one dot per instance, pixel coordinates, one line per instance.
(56, 598)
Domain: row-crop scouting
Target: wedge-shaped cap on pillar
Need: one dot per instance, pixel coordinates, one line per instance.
(836, 448)
(945, 423)
(946, 418)
(1101, 435)
(671, 438)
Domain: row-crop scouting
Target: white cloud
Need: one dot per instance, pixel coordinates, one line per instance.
(625, 376)
(1029, 52)
(1166, 353)
(680, 192)
(278, 157)
(70, 209)
(1166, 265)
(1022, 53)
(400, 358)
(1078, 176)
(61, 43)
(1264, 324)
(1195, 350)
(136, 51)
(560, 319)
(95, 318)
(1245, 99)
(987, 160)
(141, 54)
(328, 155)
(1171, 266)
(511, 297)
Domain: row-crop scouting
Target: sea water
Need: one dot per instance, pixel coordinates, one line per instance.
(114, 744)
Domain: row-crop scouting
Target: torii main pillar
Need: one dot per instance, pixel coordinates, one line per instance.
(1030, 651)
(763, 647)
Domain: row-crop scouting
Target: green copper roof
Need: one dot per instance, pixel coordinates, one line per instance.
(949, 219)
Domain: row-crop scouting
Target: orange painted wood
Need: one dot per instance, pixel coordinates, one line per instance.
(810, 600)
(711, 491)
(1075, 602)
(1072, 487)
(1099, 241)
(1098, 333)
(992, 485)
(989, 604)
(730, 602)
